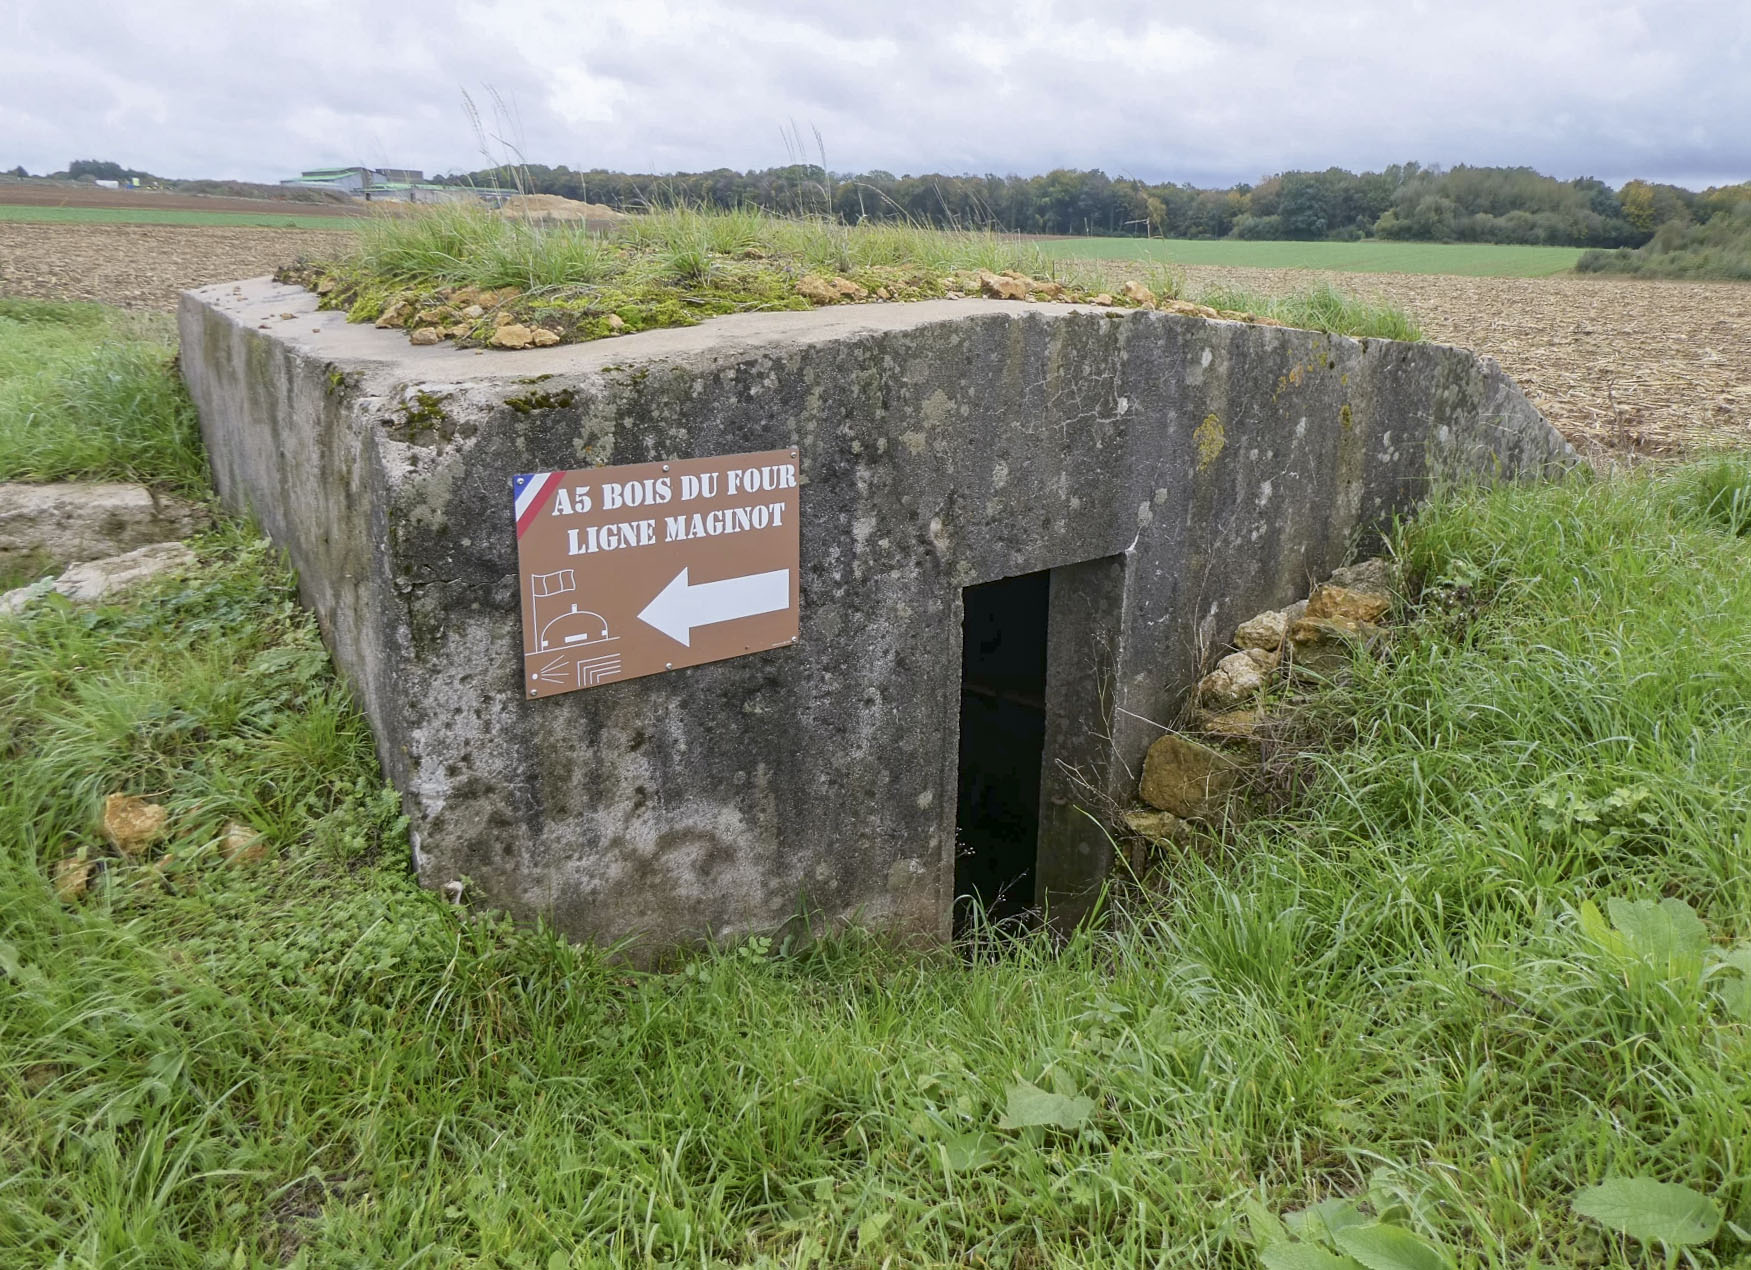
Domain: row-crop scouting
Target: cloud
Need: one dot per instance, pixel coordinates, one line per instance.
(1212, 95)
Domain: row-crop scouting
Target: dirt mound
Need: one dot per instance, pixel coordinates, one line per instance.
(552, 207)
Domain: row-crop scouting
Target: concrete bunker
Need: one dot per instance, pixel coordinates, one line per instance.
(1022, 523)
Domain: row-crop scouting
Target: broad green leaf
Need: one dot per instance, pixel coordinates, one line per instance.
(8, 960)
(966, 1151)
(1650, 1211)
(1735, 990)
(1265, 1227)
(1380, 1247)
(1596, 928)
(1029, 1105)
(869, 1230)
(1736, 997)
(1304, 1257)
(1325, 1218)
(1661, 932)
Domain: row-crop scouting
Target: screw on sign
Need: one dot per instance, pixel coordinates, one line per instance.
(635, 570)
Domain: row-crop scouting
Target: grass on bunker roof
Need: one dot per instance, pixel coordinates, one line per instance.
(1392, 991)
(677, 266)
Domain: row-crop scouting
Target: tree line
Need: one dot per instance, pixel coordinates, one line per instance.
(1405, 201)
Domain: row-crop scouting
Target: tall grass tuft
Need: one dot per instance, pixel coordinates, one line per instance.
(1320, 308)
(87, 392)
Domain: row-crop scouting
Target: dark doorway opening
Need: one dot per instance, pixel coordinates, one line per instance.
(1003, 740)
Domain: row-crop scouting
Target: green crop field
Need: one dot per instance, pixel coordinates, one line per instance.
(169, 216)
(1475, 260)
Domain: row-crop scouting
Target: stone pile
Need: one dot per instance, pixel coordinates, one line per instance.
(1197, 780)
(138, 832)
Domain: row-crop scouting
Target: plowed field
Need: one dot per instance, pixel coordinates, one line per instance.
(1621, 367)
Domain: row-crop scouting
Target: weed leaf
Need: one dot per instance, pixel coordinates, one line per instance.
(1030, 1106)
(1325, 1219)
(1735, 993)
(1650, 1211)
(968, 1151)
(1380, 1247)
(1304, 1257)
(1662, 932)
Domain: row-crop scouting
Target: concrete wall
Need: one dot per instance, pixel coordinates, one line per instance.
(1214, 468)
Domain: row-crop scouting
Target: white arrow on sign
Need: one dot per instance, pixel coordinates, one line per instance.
(679, 607)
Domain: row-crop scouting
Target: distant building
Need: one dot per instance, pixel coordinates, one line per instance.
(393, 185)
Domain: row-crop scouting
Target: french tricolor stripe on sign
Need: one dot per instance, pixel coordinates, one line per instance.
(534, 490)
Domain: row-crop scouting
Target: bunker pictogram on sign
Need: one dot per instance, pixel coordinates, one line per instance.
(634, 570)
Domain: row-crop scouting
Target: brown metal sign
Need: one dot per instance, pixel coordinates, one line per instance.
(634, 570)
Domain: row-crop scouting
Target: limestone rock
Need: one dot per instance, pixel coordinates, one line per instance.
(1139, 294)
(1187, 309)
(20, 598)
(1044, 290)
(99, 579)
(395, 315)
(65, 522)
(1157, 826)
(1326, 644)
(616, 323)
(72, 878)
(1356, 606)
(1002, 287)
(132, 824)
(816, 289)
(1234, 725)
(1103, 299)
(1265, 631)
(1238, 678)
(1188, 779)
(473, 311)
(849, 289)
(1266, 659)
(504, 319)
(1373, 577)
(545, 338)
(240, 844)
(512, 335)
(425, 336)
(325, 286)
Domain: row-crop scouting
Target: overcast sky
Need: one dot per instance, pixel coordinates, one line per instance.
(1162, 91)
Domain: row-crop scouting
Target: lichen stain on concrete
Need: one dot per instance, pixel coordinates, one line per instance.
(1209, 437)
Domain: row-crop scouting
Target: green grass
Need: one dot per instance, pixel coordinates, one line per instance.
(1394, 990)
(85, 393)
(679, 266)
(170, 216)
(1476, 260)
